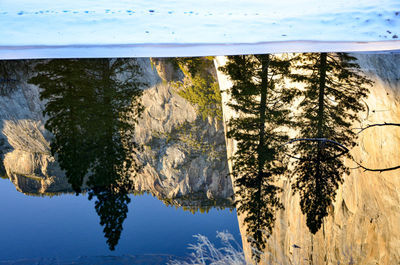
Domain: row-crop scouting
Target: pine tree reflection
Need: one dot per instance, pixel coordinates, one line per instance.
(93, 106)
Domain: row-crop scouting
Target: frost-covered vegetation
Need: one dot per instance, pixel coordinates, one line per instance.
(205, 252)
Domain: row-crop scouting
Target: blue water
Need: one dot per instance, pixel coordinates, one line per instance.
(67, 226)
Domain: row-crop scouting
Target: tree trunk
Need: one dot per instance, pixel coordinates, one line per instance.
(264, 89)
(320, 133)
(321, 87)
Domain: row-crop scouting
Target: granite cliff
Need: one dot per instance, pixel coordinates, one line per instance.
(362, 227)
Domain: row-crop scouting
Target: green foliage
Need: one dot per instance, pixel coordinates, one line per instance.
(194, 65)
(93, 106)
(112, 207)
(330, 103)
(67, 86)
(260, 98)
(197, 202)
(200, 86)
(204, 95)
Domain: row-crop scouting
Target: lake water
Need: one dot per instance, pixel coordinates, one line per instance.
(123, 161)
(67, 227)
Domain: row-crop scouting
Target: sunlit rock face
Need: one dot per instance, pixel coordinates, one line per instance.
(26, 151)
(363, 224)
(171, 169)
(174, 166)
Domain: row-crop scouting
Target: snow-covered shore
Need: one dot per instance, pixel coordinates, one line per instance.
(65, 29)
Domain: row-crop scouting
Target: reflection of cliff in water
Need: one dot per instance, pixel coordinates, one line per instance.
(103, 127)
(170, 169)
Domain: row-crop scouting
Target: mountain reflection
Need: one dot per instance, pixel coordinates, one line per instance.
(93, 107)
(294, 134)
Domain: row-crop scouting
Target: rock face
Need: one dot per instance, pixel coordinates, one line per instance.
(171, 168)
(363, 224)
(173, 164)
(27, 158)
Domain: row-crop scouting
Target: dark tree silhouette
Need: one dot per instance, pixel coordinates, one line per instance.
(112, 207)
(71, 99)
(93, 106)
(260, 98)
(330, 104)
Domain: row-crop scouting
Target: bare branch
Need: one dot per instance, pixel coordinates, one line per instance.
(378, 124)
(380, 170)
(341, 147)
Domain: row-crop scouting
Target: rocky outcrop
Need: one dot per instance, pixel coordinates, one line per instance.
(26, 151)
(171, 169)
(166, 69)
(363, 224)
(174, 165)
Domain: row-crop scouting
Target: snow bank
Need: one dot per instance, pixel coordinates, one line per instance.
(65, 28)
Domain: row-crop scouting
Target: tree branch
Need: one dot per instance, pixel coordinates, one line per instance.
(342, 148)
(377, 124)
(380, 170)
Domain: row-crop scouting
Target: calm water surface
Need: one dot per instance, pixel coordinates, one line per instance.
(313, 155)
(67, 226)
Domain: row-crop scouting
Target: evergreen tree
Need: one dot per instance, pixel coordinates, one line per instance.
(66, 85)
(260, 98)
(330, 103)
(112, 207)
(93, 106)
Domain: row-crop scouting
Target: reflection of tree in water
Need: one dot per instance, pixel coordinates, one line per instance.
(3, 173)
(93, 106)
(330, 103)
(261, 99)
(112, 207)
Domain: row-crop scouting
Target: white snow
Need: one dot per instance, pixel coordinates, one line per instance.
(100, 28)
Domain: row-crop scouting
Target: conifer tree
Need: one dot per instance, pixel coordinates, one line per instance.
(260, 98)
(70, 97)
(333, 87)
(93, 106)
